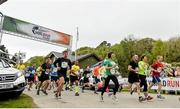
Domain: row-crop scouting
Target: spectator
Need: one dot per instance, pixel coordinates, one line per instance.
(167, 71)
(21, 66)
(170, 73)
(177, 72)
(85, 81)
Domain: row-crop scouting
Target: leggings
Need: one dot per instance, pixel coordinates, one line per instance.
(114, 79)
(143, 82)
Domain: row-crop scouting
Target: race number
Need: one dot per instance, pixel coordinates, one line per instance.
(64, 65)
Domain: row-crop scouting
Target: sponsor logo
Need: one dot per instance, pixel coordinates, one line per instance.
(39, 31)
(2, 78)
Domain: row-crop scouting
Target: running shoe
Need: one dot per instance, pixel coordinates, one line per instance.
(59, 97)
(101, 99)
(109, 94)
(76, 94)
(141, 99)
(160, 97)
(38, 92)
(95, 92)
(66, 88)
(120, 88)
(114, 98)
(131, 92)
(44, 92)
(149, 98)
(82, 91)
(56, 96)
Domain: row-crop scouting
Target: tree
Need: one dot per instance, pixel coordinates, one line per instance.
(130, 46)
(159, 48)
(84, 50)
(144, 47)
(37, 60)
(173, 50)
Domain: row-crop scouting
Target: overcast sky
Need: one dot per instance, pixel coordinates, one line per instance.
(98, 20)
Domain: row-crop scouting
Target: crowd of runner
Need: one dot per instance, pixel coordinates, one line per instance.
(63, 75)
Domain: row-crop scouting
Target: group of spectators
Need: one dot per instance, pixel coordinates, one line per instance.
(170, 71)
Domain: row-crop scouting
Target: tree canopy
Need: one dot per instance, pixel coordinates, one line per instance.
(130, 46)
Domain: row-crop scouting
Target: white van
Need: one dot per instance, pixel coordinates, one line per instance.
(12, 81)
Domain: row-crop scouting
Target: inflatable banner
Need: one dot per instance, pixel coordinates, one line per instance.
(35, 31)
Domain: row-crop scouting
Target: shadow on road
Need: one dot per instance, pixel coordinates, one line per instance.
(6, 97)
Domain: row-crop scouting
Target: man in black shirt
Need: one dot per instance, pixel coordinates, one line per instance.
(44, 78)
(133, 77)
(62, 65)
(85, 80)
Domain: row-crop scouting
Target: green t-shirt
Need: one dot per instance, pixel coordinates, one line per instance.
(110, 63)
(143, 68)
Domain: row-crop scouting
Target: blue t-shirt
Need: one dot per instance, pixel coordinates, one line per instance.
(32, 70)
(53, 74)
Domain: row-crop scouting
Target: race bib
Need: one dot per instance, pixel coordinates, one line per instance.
(33, 71)
(64, 65)
(27, 74)
(113, 71)
(55, 70)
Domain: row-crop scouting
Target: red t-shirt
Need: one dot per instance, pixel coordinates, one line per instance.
(156, 66)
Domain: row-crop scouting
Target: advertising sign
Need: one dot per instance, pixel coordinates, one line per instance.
(168, 83)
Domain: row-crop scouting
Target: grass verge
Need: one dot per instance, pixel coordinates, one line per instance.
(23, 101)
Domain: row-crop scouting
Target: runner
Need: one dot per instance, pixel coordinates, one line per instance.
(157, 67)
(38, 73)
(74, 77)
(143, 72)
(85, 78)
(53, 77)
(44, 78)
(102, 71)
(110, 64)
(133, 77)
(31, 70)
(96, 74)
(62, 65)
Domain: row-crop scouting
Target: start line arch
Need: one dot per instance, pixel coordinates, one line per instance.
(23, 29)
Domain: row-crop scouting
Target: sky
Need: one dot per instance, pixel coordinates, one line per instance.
(97, 20)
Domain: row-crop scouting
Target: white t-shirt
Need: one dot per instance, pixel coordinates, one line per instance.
(91, 80)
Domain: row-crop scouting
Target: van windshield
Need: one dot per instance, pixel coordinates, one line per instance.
(4, 64)
(1, 64)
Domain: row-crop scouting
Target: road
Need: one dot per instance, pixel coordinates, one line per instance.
(91, 100)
